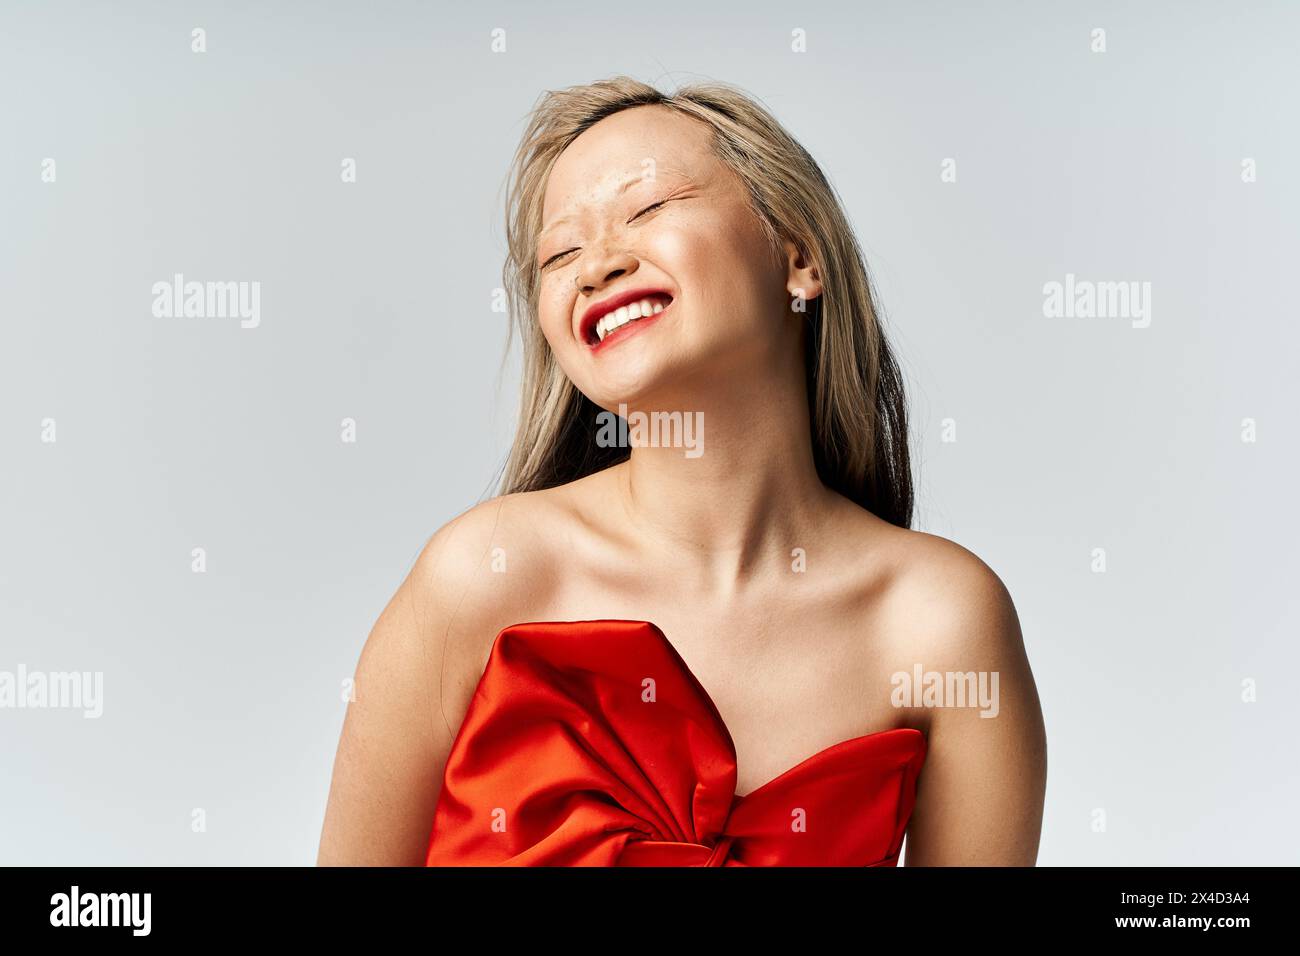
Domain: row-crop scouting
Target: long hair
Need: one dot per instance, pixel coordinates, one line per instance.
(855, 390)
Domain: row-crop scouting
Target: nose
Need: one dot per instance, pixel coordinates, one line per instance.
(603, 268)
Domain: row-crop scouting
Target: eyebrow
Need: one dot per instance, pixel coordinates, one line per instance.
(563, 219)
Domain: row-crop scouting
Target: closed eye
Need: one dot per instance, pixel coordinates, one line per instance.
(647, 209)
(558, 255)
(650, 208)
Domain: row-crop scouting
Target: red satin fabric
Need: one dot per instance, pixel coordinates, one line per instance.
(563, 759)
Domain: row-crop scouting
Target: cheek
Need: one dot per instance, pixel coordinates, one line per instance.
(553, 314)
(555, 319)
(726, 269)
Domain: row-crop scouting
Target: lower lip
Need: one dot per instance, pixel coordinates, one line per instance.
(628, 329)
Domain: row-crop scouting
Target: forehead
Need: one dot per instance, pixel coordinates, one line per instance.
(622, 147)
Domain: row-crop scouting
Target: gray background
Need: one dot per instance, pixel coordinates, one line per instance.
(222, 690)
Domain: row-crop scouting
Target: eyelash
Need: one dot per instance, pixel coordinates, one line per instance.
(651, 207)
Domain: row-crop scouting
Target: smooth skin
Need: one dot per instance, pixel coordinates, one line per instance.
(703, 547)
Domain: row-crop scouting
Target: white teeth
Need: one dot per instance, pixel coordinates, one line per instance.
(624, 314)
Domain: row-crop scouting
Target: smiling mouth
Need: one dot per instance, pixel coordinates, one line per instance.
(625, 315)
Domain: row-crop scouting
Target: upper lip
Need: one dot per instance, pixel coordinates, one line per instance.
(587, 325)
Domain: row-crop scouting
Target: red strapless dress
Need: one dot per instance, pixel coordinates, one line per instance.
(590, 743)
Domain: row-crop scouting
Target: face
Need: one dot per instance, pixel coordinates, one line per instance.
(639, 213)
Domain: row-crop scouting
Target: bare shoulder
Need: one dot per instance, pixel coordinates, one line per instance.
(457, 554)
(417, 670)
(946, 598)
(943, 608)
(981, 792)
(493, 555)
(523, 526)
(496, 564)
(922, 593)
(513, 539)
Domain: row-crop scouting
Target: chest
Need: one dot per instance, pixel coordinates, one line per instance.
(788, 680)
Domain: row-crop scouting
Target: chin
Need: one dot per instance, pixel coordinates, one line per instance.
(644, 381)
(662, 369)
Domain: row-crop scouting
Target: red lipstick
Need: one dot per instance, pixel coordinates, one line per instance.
(587, 324)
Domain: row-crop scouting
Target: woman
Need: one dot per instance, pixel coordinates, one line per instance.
(755, 576)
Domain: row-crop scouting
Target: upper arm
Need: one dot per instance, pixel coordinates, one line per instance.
(395, 740)
(981, 789)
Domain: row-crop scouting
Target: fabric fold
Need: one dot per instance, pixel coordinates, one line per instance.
(591, 743)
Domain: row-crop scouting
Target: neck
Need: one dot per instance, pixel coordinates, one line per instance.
(746, 501)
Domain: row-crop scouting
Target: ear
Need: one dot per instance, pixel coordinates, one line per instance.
(802, 278)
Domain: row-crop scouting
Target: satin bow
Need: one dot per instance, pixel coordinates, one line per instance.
(590, 743)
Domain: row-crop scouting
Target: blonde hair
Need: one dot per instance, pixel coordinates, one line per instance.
(855, 390)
